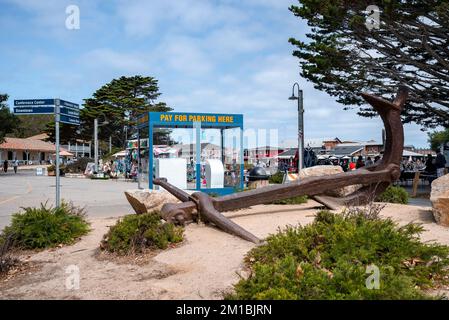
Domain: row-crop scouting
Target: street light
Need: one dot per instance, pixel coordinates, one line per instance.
(96, 125)
(300, 124)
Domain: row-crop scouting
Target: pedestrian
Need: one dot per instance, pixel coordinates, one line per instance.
(344, 165)
(440, 163)
(15, 164)
(376, 159)
(369, 161)
(359, 163)
(352, 166)
(5, 166)
(430, 166)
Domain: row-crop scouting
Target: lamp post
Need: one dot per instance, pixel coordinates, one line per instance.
(299, 98)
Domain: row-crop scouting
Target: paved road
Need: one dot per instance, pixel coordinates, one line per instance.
(102, 198)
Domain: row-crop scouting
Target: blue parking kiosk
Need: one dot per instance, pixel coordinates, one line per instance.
(194, 151)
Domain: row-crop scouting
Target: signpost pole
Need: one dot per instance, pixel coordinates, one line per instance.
(70, 115)
(57, 118)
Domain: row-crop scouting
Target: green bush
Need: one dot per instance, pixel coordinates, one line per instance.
(328, 259)
(7, 262)
(294, 200)
(276, 178)
(78, 166)
(134, 233)
(394, 194)
(45, 227)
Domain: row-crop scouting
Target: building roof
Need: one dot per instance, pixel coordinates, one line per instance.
(345, 150)
(290, 153)
(40, 136)
(65, 153)
(362, 143)
(27, 145)
(265, 148)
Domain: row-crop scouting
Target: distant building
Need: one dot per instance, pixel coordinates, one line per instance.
(79, 149)
(329, 144)
(369, 148)
(423, 151)
(208, 151)
(31, 150)
(343, 150)
(261, 154)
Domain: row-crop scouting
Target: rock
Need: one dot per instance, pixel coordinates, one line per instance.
(258, 184)
(318, 171)
(439, 196)
(147, 200)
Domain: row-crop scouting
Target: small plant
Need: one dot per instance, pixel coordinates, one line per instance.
(294, 200)
(7, 262)
(45, 227)
(394, 194)
(134, 233)
(276, 178)
(329, 259)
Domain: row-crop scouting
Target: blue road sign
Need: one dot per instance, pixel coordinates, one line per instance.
(34, 102)
(70, 112)
(35, 110)
(69, 120)
(68, 104)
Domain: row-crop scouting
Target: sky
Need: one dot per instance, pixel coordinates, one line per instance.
(229, 56)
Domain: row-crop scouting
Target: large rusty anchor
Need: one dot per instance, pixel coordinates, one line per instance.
(375, 179)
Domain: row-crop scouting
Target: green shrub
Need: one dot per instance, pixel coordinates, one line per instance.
(294, 200)
(276, 178)
(328, 259)
(7, 261)
(45, 227)
(134, 233)
(78, 166)
(394, 194)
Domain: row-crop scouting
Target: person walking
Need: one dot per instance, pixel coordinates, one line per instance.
(15, 164)
(352, 166)
(430, 166)
(359, 163)
(369, 161)
(440, 163)
(5, 166)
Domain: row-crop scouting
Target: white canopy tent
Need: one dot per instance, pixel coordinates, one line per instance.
(120, 154)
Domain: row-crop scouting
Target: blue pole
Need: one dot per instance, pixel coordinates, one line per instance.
(242, 161)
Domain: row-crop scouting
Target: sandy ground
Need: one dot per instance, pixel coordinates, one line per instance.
(203, 267)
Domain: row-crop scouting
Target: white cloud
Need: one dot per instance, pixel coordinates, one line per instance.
(184, 55)
(144, 18)
(108, 59)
